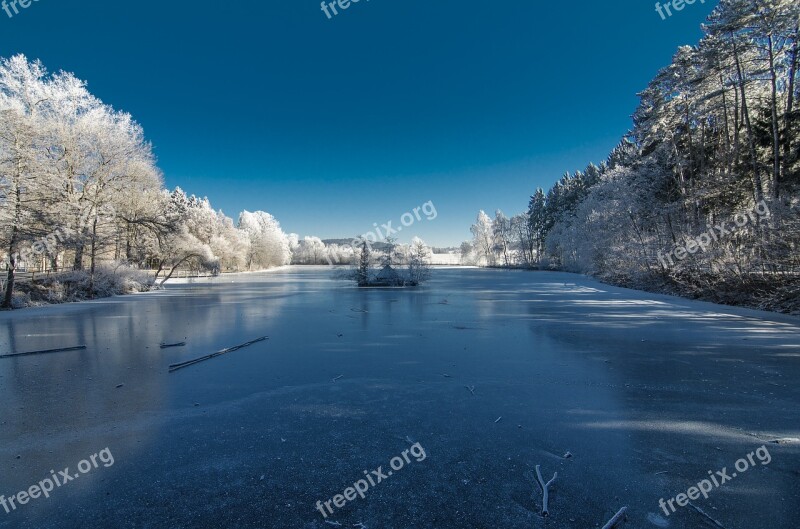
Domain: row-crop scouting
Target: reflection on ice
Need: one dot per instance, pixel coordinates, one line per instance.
(629, 383)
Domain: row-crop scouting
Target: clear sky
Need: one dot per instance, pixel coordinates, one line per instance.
(335, 124)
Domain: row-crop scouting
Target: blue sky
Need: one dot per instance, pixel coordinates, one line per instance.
(335, 124)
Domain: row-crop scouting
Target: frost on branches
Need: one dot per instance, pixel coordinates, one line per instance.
(715, 136)
(82, 195)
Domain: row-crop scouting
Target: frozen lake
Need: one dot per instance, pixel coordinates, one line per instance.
(647, 393)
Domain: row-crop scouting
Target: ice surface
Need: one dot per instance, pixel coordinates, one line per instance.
(647, 392)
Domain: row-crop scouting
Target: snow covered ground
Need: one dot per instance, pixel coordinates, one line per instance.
(227, 277)
(647, 393)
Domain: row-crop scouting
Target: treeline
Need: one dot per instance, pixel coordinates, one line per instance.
(80, 188)
(701, 198)
(315, 251)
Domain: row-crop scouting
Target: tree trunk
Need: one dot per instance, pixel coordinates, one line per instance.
(77, 263)
(128, 244)
(12, 266)
(758, 190)
(175, 267)
(12, 250)
(776, 141)
(787, 120)
(737, 125)
(728, 158)
(158, 271)
(92, 258)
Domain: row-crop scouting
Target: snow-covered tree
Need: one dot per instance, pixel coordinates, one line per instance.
(483, 239)
(715, 138)
(79, 185)
(364, 265)
(419, 259)
(311, 250)
(26, 183)
(501, 235)
(269, 245)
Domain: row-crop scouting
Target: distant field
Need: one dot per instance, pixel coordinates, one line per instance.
(445, 259)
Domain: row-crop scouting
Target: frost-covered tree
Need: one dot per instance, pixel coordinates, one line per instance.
(24, 173)
(269, 245)
(337, 254)
(311, 250)
(120, 164)
(230, 245)
(364, 264)
(522, 240)
(79, 185)
(483, 239)
(419, 258)
(501, 235)
(182, 243)
(467, 252)
(537, 218)
(715, 137)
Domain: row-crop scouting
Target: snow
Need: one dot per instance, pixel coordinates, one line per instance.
(221, 279)
(631, 384)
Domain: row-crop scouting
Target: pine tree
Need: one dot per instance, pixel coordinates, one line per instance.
(362, 273)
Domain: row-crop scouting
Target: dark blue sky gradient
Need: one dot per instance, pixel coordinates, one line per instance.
(332, 125)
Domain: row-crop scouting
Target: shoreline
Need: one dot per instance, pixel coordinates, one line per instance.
(683, 302)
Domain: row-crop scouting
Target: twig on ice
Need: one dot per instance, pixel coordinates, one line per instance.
(613, 522)
(545, 490)
(175, 367)
(778, 441)
(168, 345)
(498, 419)
(471, 389)
(337, 378)
(703, 513)
(63, 349)
(784, 440)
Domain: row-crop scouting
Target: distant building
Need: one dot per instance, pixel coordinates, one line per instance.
(388, 276)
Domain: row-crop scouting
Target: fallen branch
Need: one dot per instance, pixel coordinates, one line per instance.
(703, 513)
(181, 365)
(613, 522)
(61, 350)
(784, 440)
(545, 490)
(167, 345)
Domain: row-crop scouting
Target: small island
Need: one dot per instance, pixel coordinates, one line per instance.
(388, 272)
